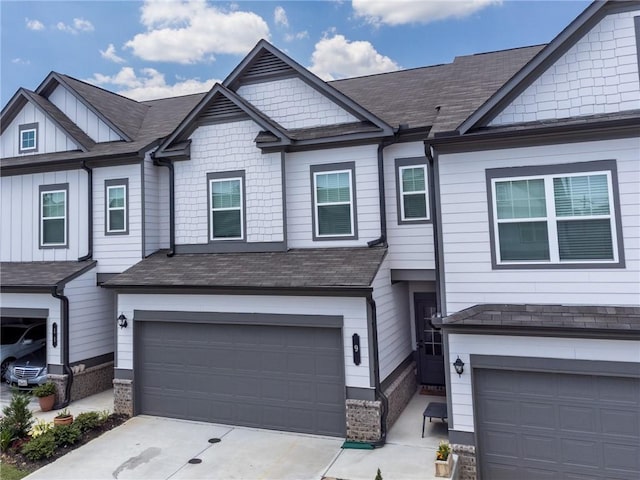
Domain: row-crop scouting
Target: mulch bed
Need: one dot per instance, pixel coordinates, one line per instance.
(11, 457)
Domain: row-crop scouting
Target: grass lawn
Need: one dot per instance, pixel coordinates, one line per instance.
(9, 472)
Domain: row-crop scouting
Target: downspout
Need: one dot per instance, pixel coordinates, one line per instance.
(89, 254)
(172, 208)
(433, 211)
(376, 370)
(57, 292)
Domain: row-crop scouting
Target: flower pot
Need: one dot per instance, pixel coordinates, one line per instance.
(63, 420)
(444, 467)
(46, 403)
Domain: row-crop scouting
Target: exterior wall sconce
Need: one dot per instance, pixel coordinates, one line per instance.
(459, 366)
(122, 321)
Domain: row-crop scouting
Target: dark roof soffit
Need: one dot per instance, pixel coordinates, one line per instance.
(521, 80)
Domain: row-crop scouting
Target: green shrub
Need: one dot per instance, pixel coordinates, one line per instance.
(7, 435)
(378, 475)
(88, 421)
(43, 446)
(44, 390)
(65, 434)
(18, 417)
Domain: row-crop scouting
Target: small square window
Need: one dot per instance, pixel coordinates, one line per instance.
(28, 138)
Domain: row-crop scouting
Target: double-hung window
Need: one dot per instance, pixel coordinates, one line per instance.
(53, 215)
(561, 217)
(413, 201)
(117, 205)
(28, 138)
(333, 201)
(226, 193)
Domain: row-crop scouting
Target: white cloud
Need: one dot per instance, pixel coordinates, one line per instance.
(337, 57)
(280, 17)
(149, 84)
(20, 61)
(79, 25)
(290, 37)
(401, 12)
(111, 55)
(35, 25)
(193, 31)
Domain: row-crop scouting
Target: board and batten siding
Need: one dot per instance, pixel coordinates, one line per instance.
(410, 246)
(464, 346)
(116, 253)
(156, 206)
(469, 276)
(353, 310)
(226, 147)
(84, 118)
(294, 104)
(92, 319)
(299, 195)
(50, 138)
(599, 74)
(20, 217)
(44, 301)
(393, 320)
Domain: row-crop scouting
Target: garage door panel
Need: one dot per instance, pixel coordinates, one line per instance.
(624, 391)
(575, 387)
(498, 411)
(580, 452)
(621, 457)
(577, 419)
(537, 414)
(620, 422)
(537, 447)
(286, 378)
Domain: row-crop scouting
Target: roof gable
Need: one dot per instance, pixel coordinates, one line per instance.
(526, 76)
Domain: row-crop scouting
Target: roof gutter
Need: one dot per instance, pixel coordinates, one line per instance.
(89, 254)
(376, 375)
(58, 292)
(167, 162)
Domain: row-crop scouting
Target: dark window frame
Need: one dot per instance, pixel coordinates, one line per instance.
(58, 187)
(228, 175)
(411, 162)
(609, 166)
(27, 127)
(120, 182)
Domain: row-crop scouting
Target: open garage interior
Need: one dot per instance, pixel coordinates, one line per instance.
(23, 350)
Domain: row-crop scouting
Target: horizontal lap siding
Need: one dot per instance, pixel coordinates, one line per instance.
(469, 276)
(354, 311)
(156, 207)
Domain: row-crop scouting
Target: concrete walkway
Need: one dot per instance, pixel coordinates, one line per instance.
(159, 448)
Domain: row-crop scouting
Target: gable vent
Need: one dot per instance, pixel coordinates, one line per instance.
(267, 65)
(221, 108)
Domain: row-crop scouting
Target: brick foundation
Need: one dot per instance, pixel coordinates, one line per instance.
(400, 393)
(363, 420)
(91, 381)
(466, 461)
(123, 396)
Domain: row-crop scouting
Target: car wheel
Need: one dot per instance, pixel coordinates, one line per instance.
(4, 366)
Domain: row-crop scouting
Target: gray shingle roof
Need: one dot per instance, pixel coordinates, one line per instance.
(40, 274)
(548, 316)
(297, 268)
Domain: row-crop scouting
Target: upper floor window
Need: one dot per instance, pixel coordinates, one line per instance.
(226, 193)
(567, 216)
(116, 207)
(28, 141)
(334, 201)
(53, 215)
(412, 198)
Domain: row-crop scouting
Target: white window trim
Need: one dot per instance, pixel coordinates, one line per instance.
(317, 205)
(552, 220)
(42, 219)
(212, 209)
(403, 193)
(113, 209)
(22, 148)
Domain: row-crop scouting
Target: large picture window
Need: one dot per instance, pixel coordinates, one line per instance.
(117, 207)
(53, 215)
(333, 201)
(556, 218)
(226, 206)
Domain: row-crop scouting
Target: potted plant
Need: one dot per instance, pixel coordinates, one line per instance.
(444, 460)
(63, 418)
(46, 394)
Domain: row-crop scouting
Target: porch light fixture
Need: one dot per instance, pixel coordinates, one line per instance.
(122, 321)
(459, 366)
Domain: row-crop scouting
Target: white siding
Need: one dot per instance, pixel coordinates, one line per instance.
(50, 137)
(544, 347)
(599, 74)
(156, 207)
(92, 318)
(354, 311)
(294, 104)
(410, 246)
(84, 118)
(394, 322)
(299, 195)
(20, 217)
(469, 277)
(116, 253)
(39, 300)
(222, 148)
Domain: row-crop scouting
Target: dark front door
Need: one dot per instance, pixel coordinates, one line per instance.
(429, 341)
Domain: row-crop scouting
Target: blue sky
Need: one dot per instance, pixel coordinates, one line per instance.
(155, 49)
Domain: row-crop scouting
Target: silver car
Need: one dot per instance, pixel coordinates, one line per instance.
(18, 340)
(28, 371)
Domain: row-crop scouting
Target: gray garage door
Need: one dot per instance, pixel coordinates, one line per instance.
(557, 426)
(283, 378)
